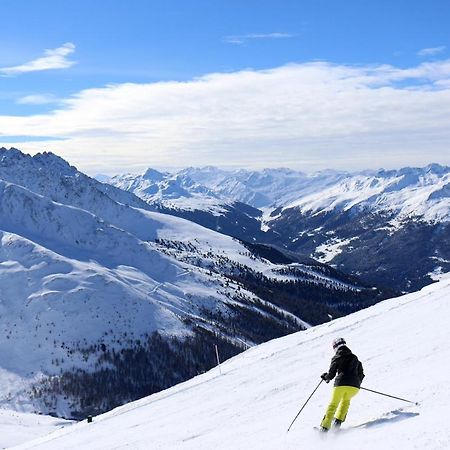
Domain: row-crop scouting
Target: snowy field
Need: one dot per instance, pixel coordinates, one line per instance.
(16, 427)
(403, 344)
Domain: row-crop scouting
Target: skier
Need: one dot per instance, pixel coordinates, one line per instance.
(350, 374)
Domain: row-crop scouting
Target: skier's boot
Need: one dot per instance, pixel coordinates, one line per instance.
(323, 429)
(337, 424)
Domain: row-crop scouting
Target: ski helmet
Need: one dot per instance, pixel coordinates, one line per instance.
(338, 342)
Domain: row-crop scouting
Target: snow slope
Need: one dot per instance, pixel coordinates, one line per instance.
(402, 342)
(16, 427)
(171, 190)
(70, 278)
(83, 268)
(409, 192)
(178, 195)
(209, 187)
(261, 189)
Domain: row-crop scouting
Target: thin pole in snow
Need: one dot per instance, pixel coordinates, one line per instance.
(218, 360)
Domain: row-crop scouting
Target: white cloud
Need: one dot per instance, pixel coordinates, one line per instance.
(310, 116)
(37, 99)
(240, 39)
(52, 59)
(431, 51)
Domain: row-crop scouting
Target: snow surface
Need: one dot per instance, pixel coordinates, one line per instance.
(16, 428)
(173, 191)
(403, 344)
(328, 250)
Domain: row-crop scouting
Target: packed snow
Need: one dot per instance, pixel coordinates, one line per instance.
(16, 427)
(250, 402)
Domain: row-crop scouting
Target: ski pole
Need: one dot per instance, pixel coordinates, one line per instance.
(392, 396)
(309, 398)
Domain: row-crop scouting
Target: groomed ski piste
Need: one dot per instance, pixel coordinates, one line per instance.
(18, 427)
(404, 344)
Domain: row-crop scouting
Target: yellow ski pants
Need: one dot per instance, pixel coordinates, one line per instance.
(339, 404)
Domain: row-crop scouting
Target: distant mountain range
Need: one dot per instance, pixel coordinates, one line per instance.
(104, 299)
(390, 227)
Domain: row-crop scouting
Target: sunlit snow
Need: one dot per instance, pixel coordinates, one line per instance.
(402, 342)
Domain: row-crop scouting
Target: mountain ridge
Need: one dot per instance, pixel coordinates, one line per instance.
(366, 223)
(101, 299)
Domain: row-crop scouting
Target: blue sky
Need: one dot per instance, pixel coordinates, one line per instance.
(62, 61)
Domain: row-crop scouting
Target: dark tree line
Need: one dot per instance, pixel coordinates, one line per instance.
(307, 299)
(146, 367)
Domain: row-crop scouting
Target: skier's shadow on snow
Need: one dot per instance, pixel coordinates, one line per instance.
(391, 417)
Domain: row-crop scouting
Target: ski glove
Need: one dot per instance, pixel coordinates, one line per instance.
(324, 377)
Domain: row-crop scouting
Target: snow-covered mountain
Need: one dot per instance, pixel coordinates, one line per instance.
(418, 192)
(390, 227)
(260, 189)
(181, 196)
(368, 223)
(410, 192)
(103, 300)
(250, 402)
(178, 191)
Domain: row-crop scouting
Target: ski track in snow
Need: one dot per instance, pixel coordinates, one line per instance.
(403, 344)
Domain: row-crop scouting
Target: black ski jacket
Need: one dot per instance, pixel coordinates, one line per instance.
(348, 368)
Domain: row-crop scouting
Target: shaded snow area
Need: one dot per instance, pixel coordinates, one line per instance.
(16, 428)
(403, 344)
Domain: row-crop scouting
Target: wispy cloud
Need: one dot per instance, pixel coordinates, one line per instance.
(37, 99)
(52, 59)
(240, 39)
(310, 115)
(431, 51)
